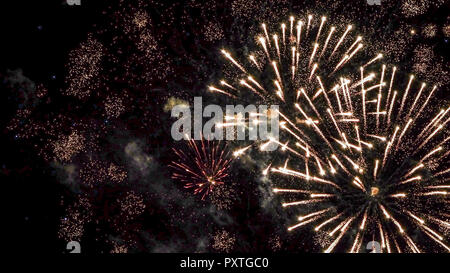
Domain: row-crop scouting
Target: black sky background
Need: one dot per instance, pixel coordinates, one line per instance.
(36, 38)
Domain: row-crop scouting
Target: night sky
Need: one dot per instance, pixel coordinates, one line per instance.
(86, 93)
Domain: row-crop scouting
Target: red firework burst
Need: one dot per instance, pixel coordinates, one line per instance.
(201, 165)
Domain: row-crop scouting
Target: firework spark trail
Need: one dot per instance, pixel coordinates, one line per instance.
(405, 95)
(374, 186)
(394, 69)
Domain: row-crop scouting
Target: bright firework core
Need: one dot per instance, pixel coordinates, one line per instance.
(374, 191)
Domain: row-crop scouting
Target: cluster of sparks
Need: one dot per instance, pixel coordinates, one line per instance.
(368, 154)
(411, 8)
(223, 241)
(84, 68)
(203, 165)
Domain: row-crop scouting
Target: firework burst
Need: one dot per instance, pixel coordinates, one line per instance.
(365, 143)
(202, 166)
